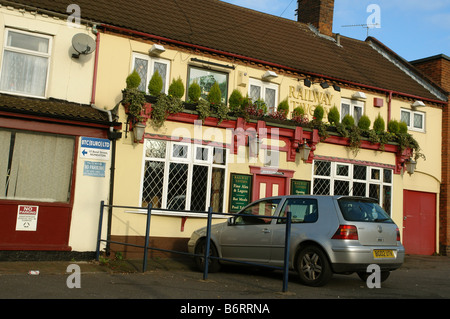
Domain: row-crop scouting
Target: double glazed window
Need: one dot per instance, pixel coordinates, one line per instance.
(353, 108)
(180, 176)
(266, 91)
(334, 178)
(35, 166)
(146, 66)
(414, 120)
(25, 63)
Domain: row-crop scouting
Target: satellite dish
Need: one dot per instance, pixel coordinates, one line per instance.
(83, 44)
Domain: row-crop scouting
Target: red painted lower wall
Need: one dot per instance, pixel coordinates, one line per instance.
(52, 230)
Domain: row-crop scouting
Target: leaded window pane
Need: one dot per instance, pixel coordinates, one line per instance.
(322, 168)
(141, 67)
(199, 187)
(152, 192)
(321, 186)
(162, 70)
(341, 187)
(255, 92)
(176, 193)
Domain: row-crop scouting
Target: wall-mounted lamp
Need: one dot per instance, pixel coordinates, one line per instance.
(359, 95)
(337, 87)
(138, 130)
(269, 75)
(418, 104)
(410, 166)
(304, 151)
(307, 82)
(156, 49)
(324, 85)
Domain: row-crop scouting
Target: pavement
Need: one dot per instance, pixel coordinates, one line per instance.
(176, 285)
(156, 264)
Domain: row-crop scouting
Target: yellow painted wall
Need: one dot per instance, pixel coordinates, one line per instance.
(115, 65)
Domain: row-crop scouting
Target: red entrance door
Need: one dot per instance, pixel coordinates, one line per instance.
(419, 222)
(267, 186)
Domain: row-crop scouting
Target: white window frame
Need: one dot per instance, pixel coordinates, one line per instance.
(151, 69)
(265, 85)
(410, 125)
(47, 55)
(350, 178)
(190, 161)
(353, 105)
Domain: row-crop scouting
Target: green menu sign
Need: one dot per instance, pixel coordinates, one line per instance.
(241, 189)
(300, 187)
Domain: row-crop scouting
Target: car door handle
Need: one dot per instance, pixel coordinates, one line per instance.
(266, 230)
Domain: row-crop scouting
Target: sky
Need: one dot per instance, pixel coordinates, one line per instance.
(414, 29)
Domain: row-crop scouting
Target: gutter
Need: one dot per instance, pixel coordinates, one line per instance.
(238, 56)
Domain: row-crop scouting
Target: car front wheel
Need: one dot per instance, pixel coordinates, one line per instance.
(313, 267)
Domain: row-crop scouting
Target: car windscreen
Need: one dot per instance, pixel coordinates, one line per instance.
(363, 210)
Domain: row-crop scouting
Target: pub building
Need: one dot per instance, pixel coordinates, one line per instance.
(268, 106)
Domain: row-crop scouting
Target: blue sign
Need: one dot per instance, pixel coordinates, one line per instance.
(95, 169)
(95, 148)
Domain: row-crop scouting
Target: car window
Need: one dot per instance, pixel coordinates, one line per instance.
(259, 209)
(363, 211)
(303, 210)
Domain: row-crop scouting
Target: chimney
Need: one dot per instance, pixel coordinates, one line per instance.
(319, 13)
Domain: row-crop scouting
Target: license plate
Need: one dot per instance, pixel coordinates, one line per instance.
(383, 253)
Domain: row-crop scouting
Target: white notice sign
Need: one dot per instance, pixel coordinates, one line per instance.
(27, 217)
(95, 148)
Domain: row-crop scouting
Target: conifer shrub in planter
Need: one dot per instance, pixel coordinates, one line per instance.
(379, 125)
(393, 127)
(348, 121)
(132, 99)
(402, 128)
(194, 92)
(334, 116)
(176, 88)
(364, 123)
(215, 95)
(318, 113)
(156, 84)
(235, 101)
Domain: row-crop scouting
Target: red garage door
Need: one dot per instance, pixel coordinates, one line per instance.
(419, 222)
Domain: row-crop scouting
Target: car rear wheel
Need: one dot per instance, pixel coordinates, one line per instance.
(313, 267)
(214, 265)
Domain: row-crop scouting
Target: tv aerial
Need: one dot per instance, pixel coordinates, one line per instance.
(365, 26)
(83, 44)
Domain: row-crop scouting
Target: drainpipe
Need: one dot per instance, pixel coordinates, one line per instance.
(389, 106)
(111, 137)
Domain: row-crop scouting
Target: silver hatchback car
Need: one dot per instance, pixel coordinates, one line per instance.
(329, 234)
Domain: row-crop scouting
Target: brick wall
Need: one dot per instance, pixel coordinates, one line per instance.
(317, 12)
(438, 69)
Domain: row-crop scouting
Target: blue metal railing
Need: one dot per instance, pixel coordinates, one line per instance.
(206, 254)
